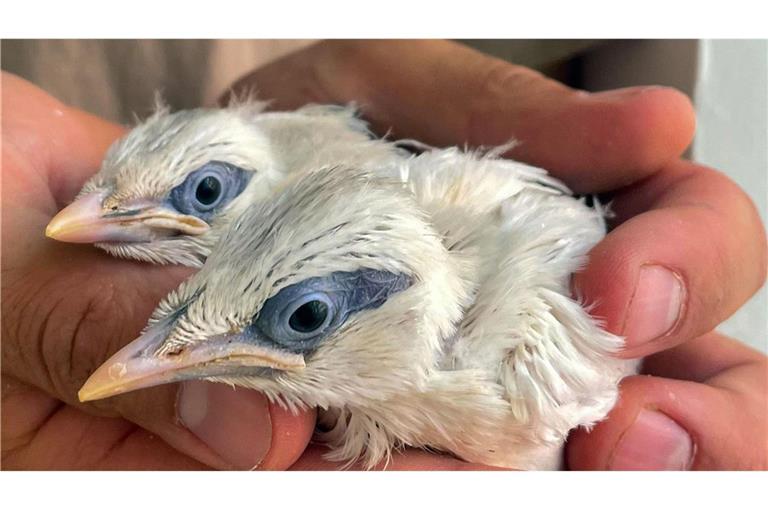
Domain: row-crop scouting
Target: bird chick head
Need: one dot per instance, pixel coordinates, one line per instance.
(336, 291)
(168, 184)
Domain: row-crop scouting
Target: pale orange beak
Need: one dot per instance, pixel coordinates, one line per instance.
(87, 221)
(138, 365)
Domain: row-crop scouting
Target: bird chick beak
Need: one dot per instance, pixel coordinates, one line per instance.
(87, 221)
(138, 365)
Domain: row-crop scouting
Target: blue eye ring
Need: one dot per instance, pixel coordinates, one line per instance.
(208, 189)
(317, 302)
(342, 294)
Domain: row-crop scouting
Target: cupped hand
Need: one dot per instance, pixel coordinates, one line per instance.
(686, 248)
(66, 308)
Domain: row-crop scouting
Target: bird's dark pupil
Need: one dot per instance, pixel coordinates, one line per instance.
(309, 317)
(208, 190)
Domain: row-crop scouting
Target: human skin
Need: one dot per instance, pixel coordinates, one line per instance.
(66, 308)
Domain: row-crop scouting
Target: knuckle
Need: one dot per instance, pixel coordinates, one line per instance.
(745, 249)
(60, 338)
(733, 243)
(22, 317)
(500, 79)
(71, 354)
(497, 87)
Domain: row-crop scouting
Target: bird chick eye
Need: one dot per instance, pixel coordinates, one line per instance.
(208, 189)
(298, 315)
(309, 317)
(208, 192)
(306, 317)
(301, 315)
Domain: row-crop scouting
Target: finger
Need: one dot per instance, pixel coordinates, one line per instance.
(64, 145)
(447, 94)
(662, 423)
(408, 460)
(242, 427)
(701, 359)
(676, 271)
(66, 309)
(41, 433)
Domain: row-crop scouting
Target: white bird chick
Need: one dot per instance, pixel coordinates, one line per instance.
(168, 189)
(431, 311)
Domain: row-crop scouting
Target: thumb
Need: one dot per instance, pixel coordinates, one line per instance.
(242, 427)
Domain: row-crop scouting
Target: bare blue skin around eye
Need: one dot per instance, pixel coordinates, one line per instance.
(344, 293)
(233, 181)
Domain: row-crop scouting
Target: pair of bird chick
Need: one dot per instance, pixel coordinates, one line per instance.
(415, 299)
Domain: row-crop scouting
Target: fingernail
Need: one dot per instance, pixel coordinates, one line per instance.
(656, 305)
(624, 93)
(233, 422)
(653, 442)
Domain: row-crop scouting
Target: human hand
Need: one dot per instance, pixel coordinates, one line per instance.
(622, 133)
(687, 247)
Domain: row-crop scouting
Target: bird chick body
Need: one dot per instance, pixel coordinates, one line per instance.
(430, 308)
(167, 190)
